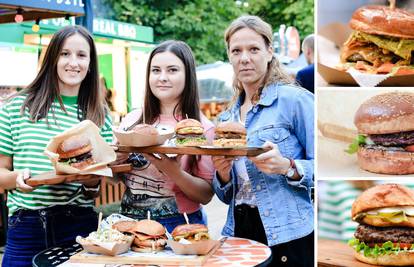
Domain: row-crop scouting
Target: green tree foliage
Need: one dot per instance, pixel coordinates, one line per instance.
(298, 13)
(201, 23)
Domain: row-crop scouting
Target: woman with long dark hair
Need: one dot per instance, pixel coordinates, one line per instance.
(168, 187)
(65, 92)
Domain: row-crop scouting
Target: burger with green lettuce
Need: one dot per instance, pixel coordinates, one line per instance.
(385, 235)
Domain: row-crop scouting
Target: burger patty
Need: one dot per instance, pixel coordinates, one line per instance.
(184, 136)
(372, 234)
(79, 158)
(395, 139)
(229, 136)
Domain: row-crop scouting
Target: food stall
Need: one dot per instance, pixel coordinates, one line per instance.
(215, 88)
(122, 48)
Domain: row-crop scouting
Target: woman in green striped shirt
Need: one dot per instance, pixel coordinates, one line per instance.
(65, 92)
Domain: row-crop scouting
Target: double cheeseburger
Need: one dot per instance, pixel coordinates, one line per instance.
(385, 235)
(149, 235)
(386, 126)
(190, 232)
(382, 41)
(230, 134)
(76, 151)
(189, 132)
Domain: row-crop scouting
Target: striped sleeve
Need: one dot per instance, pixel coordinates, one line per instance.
(106, 130)
(6, 139)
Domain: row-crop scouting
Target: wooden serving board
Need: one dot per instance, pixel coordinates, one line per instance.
(49, 178)
(207, 150)
(337, 254)
(131, 257)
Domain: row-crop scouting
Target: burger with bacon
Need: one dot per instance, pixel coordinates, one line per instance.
(190, 232)
(382, 41)
(385, 235)
(189, 132)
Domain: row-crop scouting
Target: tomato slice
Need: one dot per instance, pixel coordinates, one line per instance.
(385, 68)
(402, 245)
(409, 148)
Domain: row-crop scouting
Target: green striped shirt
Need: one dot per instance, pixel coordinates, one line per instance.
(26, 141)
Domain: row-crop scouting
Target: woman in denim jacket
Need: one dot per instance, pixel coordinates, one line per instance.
(269, 196)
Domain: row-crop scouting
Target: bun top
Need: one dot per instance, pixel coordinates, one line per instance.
(383, 196)
(383, 21)
(74, 142)
(150, 227)
(230, 126)
(188, 123)
(189, 229)
(145, 129)
(386, 113)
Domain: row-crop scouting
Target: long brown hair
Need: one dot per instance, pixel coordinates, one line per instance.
(43, 91)
(274, 71)
(189, 103)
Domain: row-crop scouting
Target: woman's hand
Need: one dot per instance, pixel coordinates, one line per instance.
(271, 162)
(169, 166)
(20, 181)
(223, 166)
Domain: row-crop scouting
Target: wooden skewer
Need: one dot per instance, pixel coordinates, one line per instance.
(186, 218)
(392, 4)
(99, 221)
(148, 215)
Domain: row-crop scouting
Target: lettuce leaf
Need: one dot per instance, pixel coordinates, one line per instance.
(359, 140)
(378, 250)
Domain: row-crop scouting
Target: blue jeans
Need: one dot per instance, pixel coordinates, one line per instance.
(31, 231)
(195, 217)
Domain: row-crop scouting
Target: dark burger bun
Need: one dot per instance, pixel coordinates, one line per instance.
(386, 113)
(187, 123)
(382, 20)
(385, 161)
(403, 258)
(145, 129)
(230, 126)
(73, 146)
(383, 196)
(189, 229)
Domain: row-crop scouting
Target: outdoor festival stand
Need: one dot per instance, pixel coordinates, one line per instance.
(196, 150)
(337, 254)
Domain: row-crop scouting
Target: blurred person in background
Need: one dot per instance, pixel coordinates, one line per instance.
(306, 76)
(64, 92)
(269, 196)
(167, 187)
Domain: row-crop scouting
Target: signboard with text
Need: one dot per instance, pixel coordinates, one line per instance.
(69, 6)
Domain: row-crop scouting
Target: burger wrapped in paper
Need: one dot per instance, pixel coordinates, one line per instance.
(192, 239)
(385, 143)
(144, 135)
(385, 235)
(230, 134)
(149, 235)
(189, 132)
(80, 149)
(190, 232)
(382, 41)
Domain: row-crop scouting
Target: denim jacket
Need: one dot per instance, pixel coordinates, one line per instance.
(284, 115)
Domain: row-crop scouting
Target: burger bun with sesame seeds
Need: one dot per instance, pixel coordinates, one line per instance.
(387, 123)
